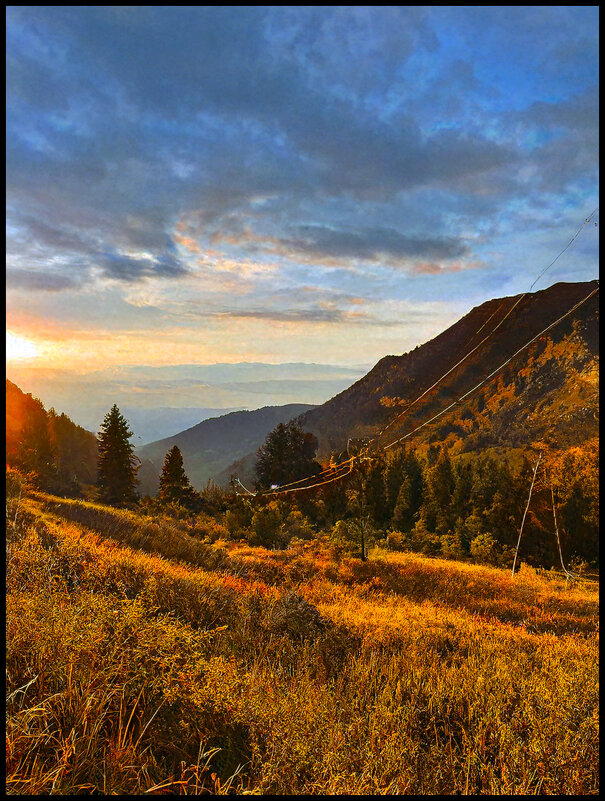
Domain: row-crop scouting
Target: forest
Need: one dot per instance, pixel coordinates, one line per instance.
(429, 499)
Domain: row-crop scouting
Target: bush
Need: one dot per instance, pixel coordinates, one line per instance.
(16, 483)
(451, 546)
(342, 538)
(484, 549)
(397, 541)
(266, 526)
(296, 525)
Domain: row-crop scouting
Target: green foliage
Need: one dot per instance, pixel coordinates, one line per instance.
(397, 540)
(76, 454)
(117, 470)
(266, 526)
(452, 546)
(484, 549)
(238, 518)
(344, 538)
(36, 452)
(410, 496)
(296, 525)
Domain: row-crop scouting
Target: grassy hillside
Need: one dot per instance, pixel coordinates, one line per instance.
(141, 658)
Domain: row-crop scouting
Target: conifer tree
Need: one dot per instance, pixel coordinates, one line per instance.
(117, 468)
(175, 486)
(410, 496)
(287, 455)
(36, 452)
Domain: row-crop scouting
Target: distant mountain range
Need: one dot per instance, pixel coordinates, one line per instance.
(153, 397)
(159, 422)
(212, 445)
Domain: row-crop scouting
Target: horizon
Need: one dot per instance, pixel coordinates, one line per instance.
(284, 185)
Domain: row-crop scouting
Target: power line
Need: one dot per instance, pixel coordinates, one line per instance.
(493, 373)
(376, 439)
(439, 414)
(533, 481)
(513, 307)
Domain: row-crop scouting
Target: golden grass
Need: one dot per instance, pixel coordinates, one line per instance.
(127, 668)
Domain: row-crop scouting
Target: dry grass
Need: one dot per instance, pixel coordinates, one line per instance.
(132, 657)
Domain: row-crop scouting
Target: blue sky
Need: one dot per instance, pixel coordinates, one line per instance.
(294, 184)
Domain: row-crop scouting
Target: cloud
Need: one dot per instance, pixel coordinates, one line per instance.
(372, 244)
(39, 281)
(309, 315)
(130, 268)
(223, 159)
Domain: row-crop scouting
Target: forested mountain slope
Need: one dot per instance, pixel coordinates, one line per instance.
(50, 444)
(210, 446)
(547, 392)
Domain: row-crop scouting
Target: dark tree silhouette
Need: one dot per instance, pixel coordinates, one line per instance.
(287, 455)
(36, 452)
(175, 486)
(117, 470)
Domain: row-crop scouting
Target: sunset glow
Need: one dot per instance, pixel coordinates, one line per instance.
(18, 348)
(343, 183)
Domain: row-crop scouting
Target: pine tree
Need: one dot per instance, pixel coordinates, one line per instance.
(287, 455)
(440, 485)
(411, 494)
(175, 486)
(117, 469)
(36, 452)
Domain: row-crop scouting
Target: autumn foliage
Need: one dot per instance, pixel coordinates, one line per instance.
(146, 656)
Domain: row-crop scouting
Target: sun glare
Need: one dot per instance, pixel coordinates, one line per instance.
(19, 348)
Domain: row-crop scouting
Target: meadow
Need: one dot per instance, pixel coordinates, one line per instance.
(143, 659)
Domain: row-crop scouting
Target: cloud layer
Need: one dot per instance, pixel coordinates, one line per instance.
(296, 165)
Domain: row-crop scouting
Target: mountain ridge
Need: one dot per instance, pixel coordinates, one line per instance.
(211, 445)
(546, 395)
(397, 381)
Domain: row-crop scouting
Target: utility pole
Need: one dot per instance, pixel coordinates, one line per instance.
(524, 514)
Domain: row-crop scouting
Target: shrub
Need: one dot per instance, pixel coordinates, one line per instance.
(342, 538)
(266, 525)
(397, 541)
(296, 617)
(296, 525)
(451, 546)
(484, 549)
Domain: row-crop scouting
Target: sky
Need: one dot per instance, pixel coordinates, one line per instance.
(190, 186)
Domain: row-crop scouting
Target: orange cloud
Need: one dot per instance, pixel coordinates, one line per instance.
(189, 244)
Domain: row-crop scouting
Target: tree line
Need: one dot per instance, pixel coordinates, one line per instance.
(469, 506)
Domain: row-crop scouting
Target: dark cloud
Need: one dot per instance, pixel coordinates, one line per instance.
(372, 244)
(130, 269)
(308, 315)
(40, 281)
(341, 133)
(289, 315)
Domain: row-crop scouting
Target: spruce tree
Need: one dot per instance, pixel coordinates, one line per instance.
(175, 486)
(36, 452)
(117, 469)
(287, 455)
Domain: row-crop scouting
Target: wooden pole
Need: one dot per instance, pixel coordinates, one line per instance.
(524, 514)
(568, 574)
